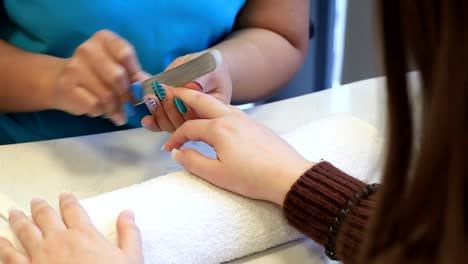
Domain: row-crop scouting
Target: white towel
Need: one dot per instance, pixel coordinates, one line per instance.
(186, 220)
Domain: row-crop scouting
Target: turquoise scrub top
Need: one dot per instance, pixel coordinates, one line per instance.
(160, 31)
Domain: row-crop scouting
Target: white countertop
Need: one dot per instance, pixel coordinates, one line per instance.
(133, 156)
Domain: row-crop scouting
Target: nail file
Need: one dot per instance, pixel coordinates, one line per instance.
(179, 75)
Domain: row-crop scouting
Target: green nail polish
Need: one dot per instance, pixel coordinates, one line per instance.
(158, 90)
(180, 106)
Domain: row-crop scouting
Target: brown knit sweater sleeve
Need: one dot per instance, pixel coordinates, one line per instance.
(316, 199)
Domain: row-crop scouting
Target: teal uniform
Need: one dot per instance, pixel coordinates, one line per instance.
(160, 31)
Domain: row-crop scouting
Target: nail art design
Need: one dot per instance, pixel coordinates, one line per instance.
(180, 106)
(151, 103)
(158, 90)
(148, 126)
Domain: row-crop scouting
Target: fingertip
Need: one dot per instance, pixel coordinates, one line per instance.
(66, 195)
(150, 124)
(5, 242)
(194, 85)
(13, 212)
(127, 215)
(129, 233)
(119, 119)
(174, 154)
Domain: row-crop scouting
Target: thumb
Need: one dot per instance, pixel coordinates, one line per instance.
(194, 85)
(129, 235)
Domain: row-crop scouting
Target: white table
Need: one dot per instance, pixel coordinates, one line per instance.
(134, 156)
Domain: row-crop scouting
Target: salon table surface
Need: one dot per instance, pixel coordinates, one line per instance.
(24, 166)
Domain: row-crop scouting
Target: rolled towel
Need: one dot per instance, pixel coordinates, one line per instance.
(184, 219)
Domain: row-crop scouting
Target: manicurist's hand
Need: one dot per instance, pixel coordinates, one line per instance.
(251, 159)
(69, 237)
(92, 80)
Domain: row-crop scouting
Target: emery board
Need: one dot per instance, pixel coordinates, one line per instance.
(184, 73)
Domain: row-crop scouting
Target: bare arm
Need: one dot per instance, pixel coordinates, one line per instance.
(270, 40)
(89, 82)
(24, 79)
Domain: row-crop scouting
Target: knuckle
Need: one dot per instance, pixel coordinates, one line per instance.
(72, 67)
(186, 126)
(117, 76)
(104, 34)
(89, 106)
(221, 124)
(107, 97)
(127, 52)
(84, 49)
(189, 123)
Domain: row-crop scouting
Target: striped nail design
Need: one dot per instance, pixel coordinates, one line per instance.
(148, 126)
(151, 103)
(180, 106)
(158, 90)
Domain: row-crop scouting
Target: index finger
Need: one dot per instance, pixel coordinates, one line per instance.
(205, 106)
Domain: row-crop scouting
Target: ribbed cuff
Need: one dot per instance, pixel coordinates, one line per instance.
(316, 199)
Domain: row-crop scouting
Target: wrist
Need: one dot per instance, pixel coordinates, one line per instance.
(47, 82)
(284, 184)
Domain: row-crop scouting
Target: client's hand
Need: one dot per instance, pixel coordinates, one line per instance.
(251, 159)
(68, 238)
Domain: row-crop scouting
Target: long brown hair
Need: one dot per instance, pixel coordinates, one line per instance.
(423, 203)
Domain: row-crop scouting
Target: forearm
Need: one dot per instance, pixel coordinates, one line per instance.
(25, 79)
(267, 47)
(317, 198)
(260, 61)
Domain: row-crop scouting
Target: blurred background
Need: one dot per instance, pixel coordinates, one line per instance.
(342, 47)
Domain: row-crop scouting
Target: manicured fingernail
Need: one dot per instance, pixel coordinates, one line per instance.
(129, 109)
(180, 106)
(130, 214)
(35, 201)
(137, 90)
(148, 126)
(12, 212)
(151, 103)
(158, 90)
(174, 153)
(163, 147)
(64, 195)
